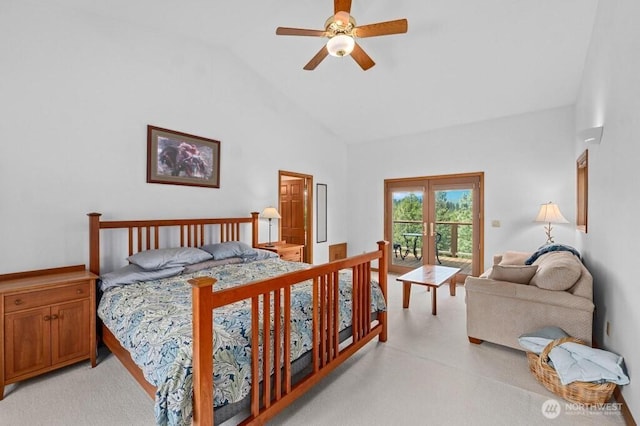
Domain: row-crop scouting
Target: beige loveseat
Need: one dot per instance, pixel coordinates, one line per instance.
(511, 299)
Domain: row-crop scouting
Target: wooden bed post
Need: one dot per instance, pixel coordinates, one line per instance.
(254, 229)
(382, 280)
(202, 350)
(94, 242)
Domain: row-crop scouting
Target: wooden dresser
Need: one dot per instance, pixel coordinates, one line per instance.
(47, 321)
(286, 251)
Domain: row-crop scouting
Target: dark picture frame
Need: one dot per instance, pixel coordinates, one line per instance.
(321, 212)
(178, 158)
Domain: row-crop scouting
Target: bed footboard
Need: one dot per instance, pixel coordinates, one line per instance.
(327, 352)
(269, 395)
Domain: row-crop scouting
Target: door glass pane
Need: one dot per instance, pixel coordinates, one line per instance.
(407, 208)
(454, 228)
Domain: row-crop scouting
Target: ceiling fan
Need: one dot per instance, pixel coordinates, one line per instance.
(342, 31)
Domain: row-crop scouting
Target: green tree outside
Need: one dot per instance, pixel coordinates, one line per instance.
(407, 218)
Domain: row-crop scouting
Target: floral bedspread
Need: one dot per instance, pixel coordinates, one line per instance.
(152, 320)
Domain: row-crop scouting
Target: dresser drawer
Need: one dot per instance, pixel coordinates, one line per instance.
(33, 299)
(294, 254)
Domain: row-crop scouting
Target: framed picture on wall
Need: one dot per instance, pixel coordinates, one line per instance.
(178, 158)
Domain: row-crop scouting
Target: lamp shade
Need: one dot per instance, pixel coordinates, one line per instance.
(270, 213)
(340, 45)
(550, 213)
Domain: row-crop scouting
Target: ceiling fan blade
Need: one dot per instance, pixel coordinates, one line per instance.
(382, 28)
(342, 6)
(315, 61)
(361, 57)
(300, 32)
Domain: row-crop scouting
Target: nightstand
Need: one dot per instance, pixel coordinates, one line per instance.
(286, 251)
(47, 321)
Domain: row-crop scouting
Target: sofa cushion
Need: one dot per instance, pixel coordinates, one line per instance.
(557, 271)
(514, 258)
(520, 274)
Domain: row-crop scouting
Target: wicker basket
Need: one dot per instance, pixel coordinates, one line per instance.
(586, 393)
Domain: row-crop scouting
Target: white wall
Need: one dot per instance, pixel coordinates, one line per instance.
(610, 96)
(76, 94)
(527, 160)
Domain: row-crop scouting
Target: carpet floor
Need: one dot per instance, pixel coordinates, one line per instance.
(426, 373)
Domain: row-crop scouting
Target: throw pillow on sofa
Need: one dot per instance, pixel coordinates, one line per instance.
(557, 271)
(520, 274)
(514, 258)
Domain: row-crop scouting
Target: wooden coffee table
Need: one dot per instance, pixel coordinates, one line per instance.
(432, 276)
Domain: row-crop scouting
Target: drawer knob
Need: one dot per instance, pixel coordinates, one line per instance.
(47, 317)
(18, 302)
(79, 291)
(54, 316)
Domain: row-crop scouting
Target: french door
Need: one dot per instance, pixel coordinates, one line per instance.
(435, 220)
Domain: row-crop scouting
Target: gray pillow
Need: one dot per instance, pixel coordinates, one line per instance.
(211, 263)
(168, 257)
(228, 249)
(133, 273)
(259, 254)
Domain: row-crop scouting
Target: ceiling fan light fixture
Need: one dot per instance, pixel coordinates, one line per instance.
(340, 45)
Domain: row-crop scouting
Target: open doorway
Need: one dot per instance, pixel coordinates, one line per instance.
(295, 203)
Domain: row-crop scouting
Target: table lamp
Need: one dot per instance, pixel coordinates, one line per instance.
(550, 213)
(270, 213)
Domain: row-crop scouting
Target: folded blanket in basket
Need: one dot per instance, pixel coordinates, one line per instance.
(575, 362)
(536, 341)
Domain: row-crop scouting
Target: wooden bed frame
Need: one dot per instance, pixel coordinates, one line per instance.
(327, 352)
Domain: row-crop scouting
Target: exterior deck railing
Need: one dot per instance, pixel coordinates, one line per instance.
(417, 227)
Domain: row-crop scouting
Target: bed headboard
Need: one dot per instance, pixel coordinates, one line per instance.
(153, 234)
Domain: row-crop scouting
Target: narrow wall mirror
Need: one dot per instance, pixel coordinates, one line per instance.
(321, 213)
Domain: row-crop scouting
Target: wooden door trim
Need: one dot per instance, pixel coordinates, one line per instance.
(480, 175)
(308, 251)
(408, 181)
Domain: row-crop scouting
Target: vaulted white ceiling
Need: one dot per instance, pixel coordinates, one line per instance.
(461, 61)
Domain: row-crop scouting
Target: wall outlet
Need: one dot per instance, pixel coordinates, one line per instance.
(495, 223)
(608, 329)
